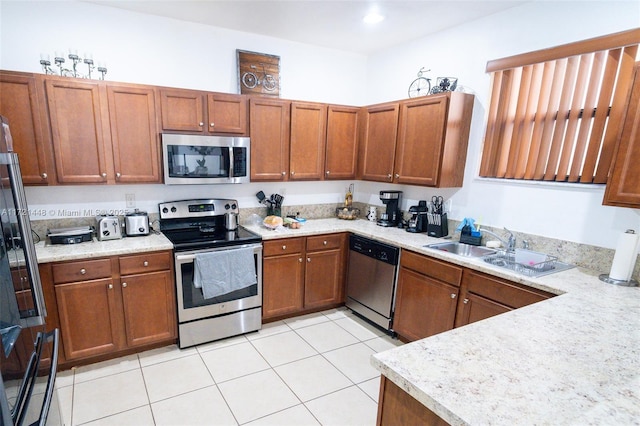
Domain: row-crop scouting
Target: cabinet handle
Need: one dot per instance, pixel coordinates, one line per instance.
(397, 175)
(327, 172)
(465, 301)
(308, 259)
(293, 173)
(124, 285)
(103, 174)
(284, 247)
(211, 124)
(389, 176)
(201, 124)
(324, 242)
(453, 295)
(284, 173)
(118, 175)
(44, 175)
(145, 263)
(110, 286)
(300, 260)
(83, 271)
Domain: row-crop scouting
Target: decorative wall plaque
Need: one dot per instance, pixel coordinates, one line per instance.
(258, 73)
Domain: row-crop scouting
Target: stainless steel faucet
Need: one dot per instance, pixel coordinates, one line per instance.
(509, 244)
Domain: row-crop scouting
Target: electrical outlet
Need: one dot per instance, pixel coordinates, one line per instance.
(448, 205)
(131, 200)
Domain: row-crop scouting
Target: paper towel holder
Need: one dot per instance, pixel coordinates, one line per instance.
(607, 279)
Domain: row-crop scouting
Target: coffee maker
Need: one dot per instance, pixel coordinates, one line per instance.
(392, 215)
(418, 221)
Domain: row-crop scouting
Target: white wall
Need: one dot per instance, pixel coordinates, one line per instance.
(160, 51)
(571, 212)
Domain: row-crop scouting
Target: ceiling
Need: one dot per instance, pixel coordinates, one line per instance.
(327, 23)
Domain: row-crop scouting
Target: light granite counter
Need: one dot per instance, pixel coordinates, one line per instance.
(573, 359)
(46, 252)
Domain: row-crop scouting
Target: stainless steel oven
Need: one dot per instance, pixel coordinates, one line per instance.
(198, 232)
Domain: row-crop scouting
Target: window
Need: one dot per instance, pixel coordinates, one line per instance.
(555, 114)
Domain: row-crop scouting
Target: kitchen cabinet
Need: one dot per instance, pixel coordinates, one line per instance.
(103, 133)
(303, 274)
(342, 142)
(397, 407)
(623, 184)
(20, 98)
(483, 296)
(204, 113)
(109, 305)
(426, 296)
(270, 137)
(418, 142)
(308, 141)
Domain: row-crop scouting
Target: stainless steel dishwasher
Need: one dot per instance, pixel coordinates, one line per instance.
(371, 280)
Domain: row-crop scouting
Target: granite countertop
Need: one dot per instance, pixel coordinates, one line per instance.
(572, 359)
(46, 252)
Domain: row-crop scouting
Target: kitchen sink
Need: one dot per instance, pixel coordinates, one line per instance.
(462, 249)
(542, 264)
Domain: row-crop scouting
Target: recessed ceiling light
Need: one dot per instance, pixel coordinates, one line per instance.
(373, 17)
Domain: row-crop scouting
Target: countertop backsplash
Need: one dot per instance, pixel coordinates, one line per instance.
(582, 255)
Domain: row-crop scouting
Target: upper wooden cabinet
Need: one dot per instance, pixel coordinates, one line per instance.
(200, 112)
(308, 139)
(623, 186)
(103, 132)
(20, 104)
(342, 142)
(270, 135)
(419, 142)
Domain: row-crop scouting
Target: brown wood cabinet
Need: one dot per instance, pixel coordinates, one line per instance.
(419, 142)
(270, 136)
(397, 407)
(483, 296)
(109, 305)
(20, 97)
(426, 296)
(342, 143)
(308, 141)
(623, 185)
(303, 274)
(194, 111)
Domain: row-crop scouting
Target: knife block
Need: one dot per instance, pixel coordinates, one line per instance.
(437, 225)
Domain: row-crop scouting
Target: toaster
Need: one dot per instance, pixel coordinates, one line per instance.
(136, 223)
(108, 228)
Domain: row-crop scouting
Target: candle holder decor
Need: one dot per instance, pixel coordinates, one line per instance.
(76, 62)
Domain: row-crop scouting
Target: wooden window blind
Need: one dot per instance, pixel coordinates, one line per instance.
(555, 114)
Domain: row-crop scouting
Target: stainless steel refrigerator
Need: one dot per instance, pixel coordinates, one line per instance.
(28, 355)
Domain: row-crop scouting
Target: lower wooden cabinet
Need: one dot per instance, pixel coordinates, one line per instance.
(303, 274)
(109, 305)
(397, 407)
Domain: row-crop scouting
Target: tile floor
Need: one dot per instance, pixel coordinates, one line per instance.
(308, 370)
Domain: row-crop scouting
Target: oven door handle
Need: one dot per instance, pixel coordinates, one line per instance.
(185, 257)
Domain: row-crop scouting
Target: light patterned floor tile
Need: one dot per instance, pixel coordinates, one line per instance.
(359, 328)
(347, 407)
(234, 361)
(257, 395)
(294, 416)
(354, 362)
(338, 313)
(163, 354)
(201, 407)
(106, 368)
(312, 377)
(137, 417)
(306, 320)
(222, 343)
(283, 348)
(326, 336)
(176, 377)
(371, 388)
(270, 329)
(384, 343)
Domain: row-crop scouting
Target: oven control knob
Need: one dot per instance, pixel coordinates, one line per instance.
(165, 210)
(173, 209)
(233, 206)
(227, 206)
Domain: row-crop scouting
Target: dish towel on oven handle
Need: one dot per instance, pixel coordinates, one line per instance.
(224, 271)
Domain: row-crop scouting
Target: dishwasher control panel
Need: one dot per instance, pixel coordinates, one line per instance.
(377, 250)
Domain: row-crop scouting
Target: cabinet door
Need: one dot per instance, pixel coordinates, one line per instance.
(134, 134)
(87, 324)
(424, 306)
(19, 104)
(78, 130)
(420, 141)
(342, 143)
(308, 137)
(475, 308)
(323, 278)
(283, 285)
(182, 110)
(623, 186)
(378, 143)
(227, 113)
(270, 136)
(149, 307)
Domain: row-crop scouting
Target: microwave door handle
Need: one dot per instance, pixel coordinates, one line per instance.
(231, 162)
(15, 178)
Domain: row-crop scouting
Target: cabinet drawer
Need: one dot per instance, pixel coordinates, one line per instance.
(433, 268)
(147, 262)
(283, 246)
(325, 242)
(82, 270)
(502, 291)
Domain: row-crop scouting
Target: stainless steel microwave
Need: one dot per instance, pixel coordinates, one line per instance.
(195, 159)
